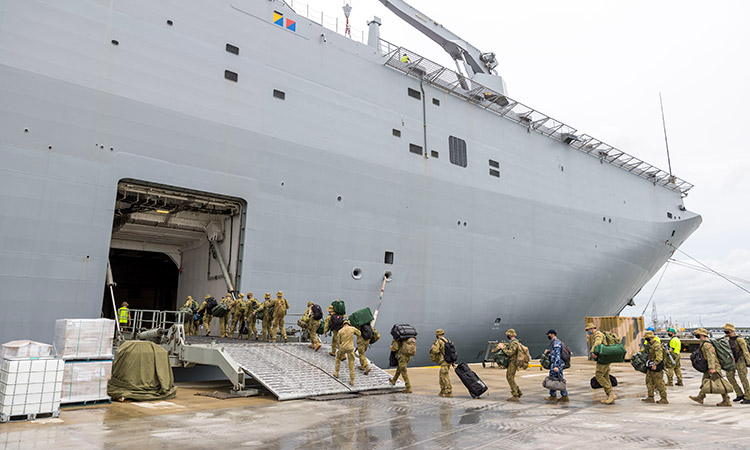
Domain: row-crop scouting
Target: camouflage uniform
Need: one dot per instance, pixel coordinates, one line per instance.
(655, 378)
(346, 349)
(403, 360)
(279, 314)
(191, 325)
(237, 310)
(267, 308)
(602, 370)
(251, 305)
(437, 354)
(511, 350)
(224, 321)
(741, 355)
(709, 353)
(312, 326)
(207, 317)
(362, 345)
(327, 328)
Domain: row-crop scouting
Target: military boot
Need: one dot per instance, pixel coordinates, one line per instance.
(679, 383)
(367, 371)
(392, 381)
(563, 399)
(448, 395)
(670, 384)
(724, 403)
(407, 390)
(513, 399)
(550, 399)
(648, 400)
(696, 399)
(663, 401)
(610, 399)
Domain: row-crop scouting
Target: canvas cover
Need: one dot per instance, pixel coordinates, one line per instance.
(141, 371)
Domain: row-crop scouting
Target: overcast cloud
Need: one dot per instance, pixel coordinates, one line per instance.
(599, 66)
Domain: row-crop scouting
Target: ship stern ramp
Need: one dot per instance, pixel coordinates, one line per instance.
(288, 370)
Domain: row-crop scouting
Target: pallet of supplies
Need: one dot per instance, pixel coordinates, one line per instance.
(30, 386)
(24, 349)
(86, 381)
(82, 339)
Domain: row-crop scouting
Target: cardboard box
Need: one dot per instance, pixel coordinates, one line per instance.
(84, 338)
(24, 349)
(85, 381)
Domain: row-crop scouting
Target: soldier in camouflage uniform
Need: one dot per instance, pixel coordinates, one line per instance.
(237, 310)
(312, 326)
(654, 378)
(362, 345)
(602, 370)
(714, 368)
(251, 305)
(327, 328)
(346, 349)
(741, 356)
(267, 308)
(191, 325)
(279, 314)
(511, 350)
(437, 354)
(400, 347)
(224, 321)
(207, 317)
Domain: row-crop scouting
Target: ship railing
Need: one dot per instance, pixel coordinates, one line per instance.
(147, 319)
(326, 21)
(456, 84)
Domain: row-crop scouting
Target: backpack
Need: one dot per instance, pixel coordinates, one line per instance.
(339, 307)
(321, 328)
(523, 358)
(724, 353)
(375, 336)
(366, 331)
(211, 303)
(317, 312)
(244, 329)
(451, 355)
(611, 338)
(565, 354)
(409, 347)
(402, 331)
(336, 322)
(698, 361)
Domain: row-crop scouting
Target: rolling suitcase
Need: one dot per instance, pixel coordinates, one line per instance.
(470, 379)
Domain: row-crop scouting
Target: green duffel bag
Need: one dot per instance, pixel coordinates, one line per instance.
(220, 310)
(546, 361)
(321, 327)
(339, 307)
(638, 361)
(724, 353)
(360, 317)
(607, 354)
(501, 359)
(187, 315)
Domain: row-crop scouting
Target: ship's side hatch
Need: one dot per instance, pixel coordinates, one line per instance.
(161, 249)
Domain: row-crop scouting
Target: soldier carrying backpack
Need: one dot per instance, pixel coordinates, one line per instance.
(443, 352)
(705, 360)
(403, 349)
(602, 367)
(515, 354)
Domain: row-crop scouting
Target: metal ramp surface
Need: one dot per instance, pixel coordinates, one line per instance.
(293, 370)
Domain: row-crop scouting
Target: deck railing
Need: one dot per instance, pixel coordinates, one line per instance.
(436, 75)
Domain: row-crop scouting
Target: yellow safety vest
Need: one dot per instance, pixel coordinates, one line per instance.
(123, 314)
(404, 59)
(675, 344)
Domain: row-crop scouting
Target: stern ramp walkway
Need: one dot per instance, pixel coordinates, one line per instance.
(288, 370)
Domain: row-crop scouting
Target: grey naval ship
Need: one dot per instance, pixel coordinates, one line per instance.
(202, 145)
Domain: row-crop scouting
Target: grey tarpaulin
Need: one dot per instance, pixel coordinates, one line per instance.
(141, 371)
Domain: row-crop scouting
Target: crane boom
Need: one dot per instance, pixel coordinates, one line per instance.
(459, 49)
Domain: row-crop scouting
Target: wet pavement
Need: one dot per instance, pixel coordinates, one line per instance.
(419, 420)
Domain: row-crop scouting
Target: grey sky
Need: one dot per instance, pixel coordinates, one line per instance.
(599, 66)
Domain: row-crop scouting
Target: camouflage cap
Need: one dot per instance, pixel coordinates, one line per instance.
(242, 295)
(510, 332)
(648, 334)
(330, 308)
(701, 332)
(190, 297)
(207, 296)
(249, 294)
(439, 332)
(671, 330)
(267, 295)
(729, 327)
(310, 303)
(590, 325)
(279, 294)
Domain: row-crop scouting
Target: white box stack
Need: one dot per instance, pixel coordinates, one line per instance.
(24, 349)
(82, 339)
(86, 347)
(86, 381)
(30, 386)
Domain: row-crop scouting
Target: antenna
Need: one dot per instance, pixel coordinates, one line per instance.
(666, 142)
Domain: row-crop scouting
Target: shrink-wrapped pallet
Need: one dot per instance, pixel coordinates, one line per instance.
(86, 381)
(84, 338)
(24, 349)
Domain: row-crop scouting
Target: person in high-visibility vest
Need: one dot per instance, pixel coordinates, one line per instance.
(123, 315)
(405, 58)
(676, 346)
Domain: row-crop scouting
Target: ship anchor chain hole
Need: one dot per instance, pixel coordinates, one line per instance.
(388, 276)
(357, 273)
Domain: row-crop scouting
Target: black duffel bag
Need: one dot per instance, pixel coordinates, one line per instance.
(393, 360)
(402, 331)
(595, 383)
